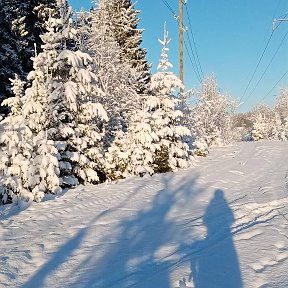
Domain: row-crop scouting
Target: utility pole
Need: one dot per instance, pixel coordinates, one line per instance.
(278, 20)
(181, 50)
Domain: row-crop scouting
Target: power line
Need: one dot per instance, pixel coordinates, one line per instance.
(266, 69)
(185, 44)
(260, 60)
(183, 28)
(275, 85)
(193, 39)
(282, 16)
(277, 7)
(169, 7)
(191, 61)
(257, 66)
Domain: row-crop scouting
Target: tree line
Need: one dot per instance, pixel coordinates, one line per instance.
(81, 105)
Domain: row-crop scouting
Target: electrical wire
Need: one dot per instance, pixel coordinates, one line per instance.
(169, 7)
(260, 60)
(191, 61)
(193, 39)
(257, 66)
(267, 67)
(268, 93)
(195, 68)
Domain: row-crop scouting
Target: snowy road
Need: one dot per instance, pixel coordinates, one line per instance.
(222, 223)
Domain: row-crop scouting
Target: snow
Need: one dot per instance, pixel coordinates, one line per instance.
(221, 223)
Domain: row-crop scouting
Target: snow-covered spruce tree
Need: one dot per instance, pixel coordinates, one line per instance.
(29, 19)
(9, 60)
(281, 106)
(28, 160)
(212, 117)
(277, 128)
(75, 111)
(162, 105)
(242, 126)
(154, 140)
(284, 134)
(115, 78)
(260, 129)
(123, 22)
(22, 22)
(281, 115)
(133, 152)
(263, 118)
(51, 138)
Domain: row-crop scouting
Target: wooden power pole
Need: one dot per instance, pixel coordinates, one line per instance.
(278, 20)
(181, 50)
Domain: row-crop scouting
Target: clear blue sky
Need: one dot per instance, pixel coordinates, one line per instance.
(230, 37)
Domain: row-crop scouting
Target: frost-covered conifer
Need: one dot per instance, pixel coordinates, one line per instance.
(263, 118)
(28, 160)
(154, 140)
(133, 152)
(211, 117)
(277, 128)
(284, 134)
(21, 23)
(280, 131)
(281, 106)
(260, 128)
(51, 139)
(123, 21)
(115, 78)
(163, 108)
(9, 60)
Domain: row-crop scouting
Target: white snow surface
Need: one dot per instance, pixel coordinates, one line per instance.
(222, 223)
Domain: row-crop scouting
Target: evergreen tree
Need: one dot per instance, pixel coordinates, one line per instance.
(22, 22)
(211, 118)
(263, 118)
(133, 152)
(163, 106)
(260, 128)
(51, 139)
(9, 60)
(277, 128)
(275, 118)
(284, 134)
(154, 140)
(122, 18)
(281, 106)
(115, 78)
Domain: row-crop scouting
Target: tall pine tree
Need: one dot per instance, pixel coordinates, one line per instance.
(123, 21)
(115, 78)
(22, 22)
(163, 106)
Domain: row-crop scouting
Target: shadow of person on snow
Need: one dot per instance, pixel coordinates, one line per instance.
(214, 262)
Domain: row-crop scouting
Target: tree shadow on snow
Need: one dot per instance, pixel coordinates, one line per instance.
(62, 255)
(141, 250)
(213, 261)
(136, 259)
(58, 258)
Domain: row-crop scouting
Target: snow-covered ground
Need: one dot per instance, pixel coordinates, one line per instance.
(222, 223)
